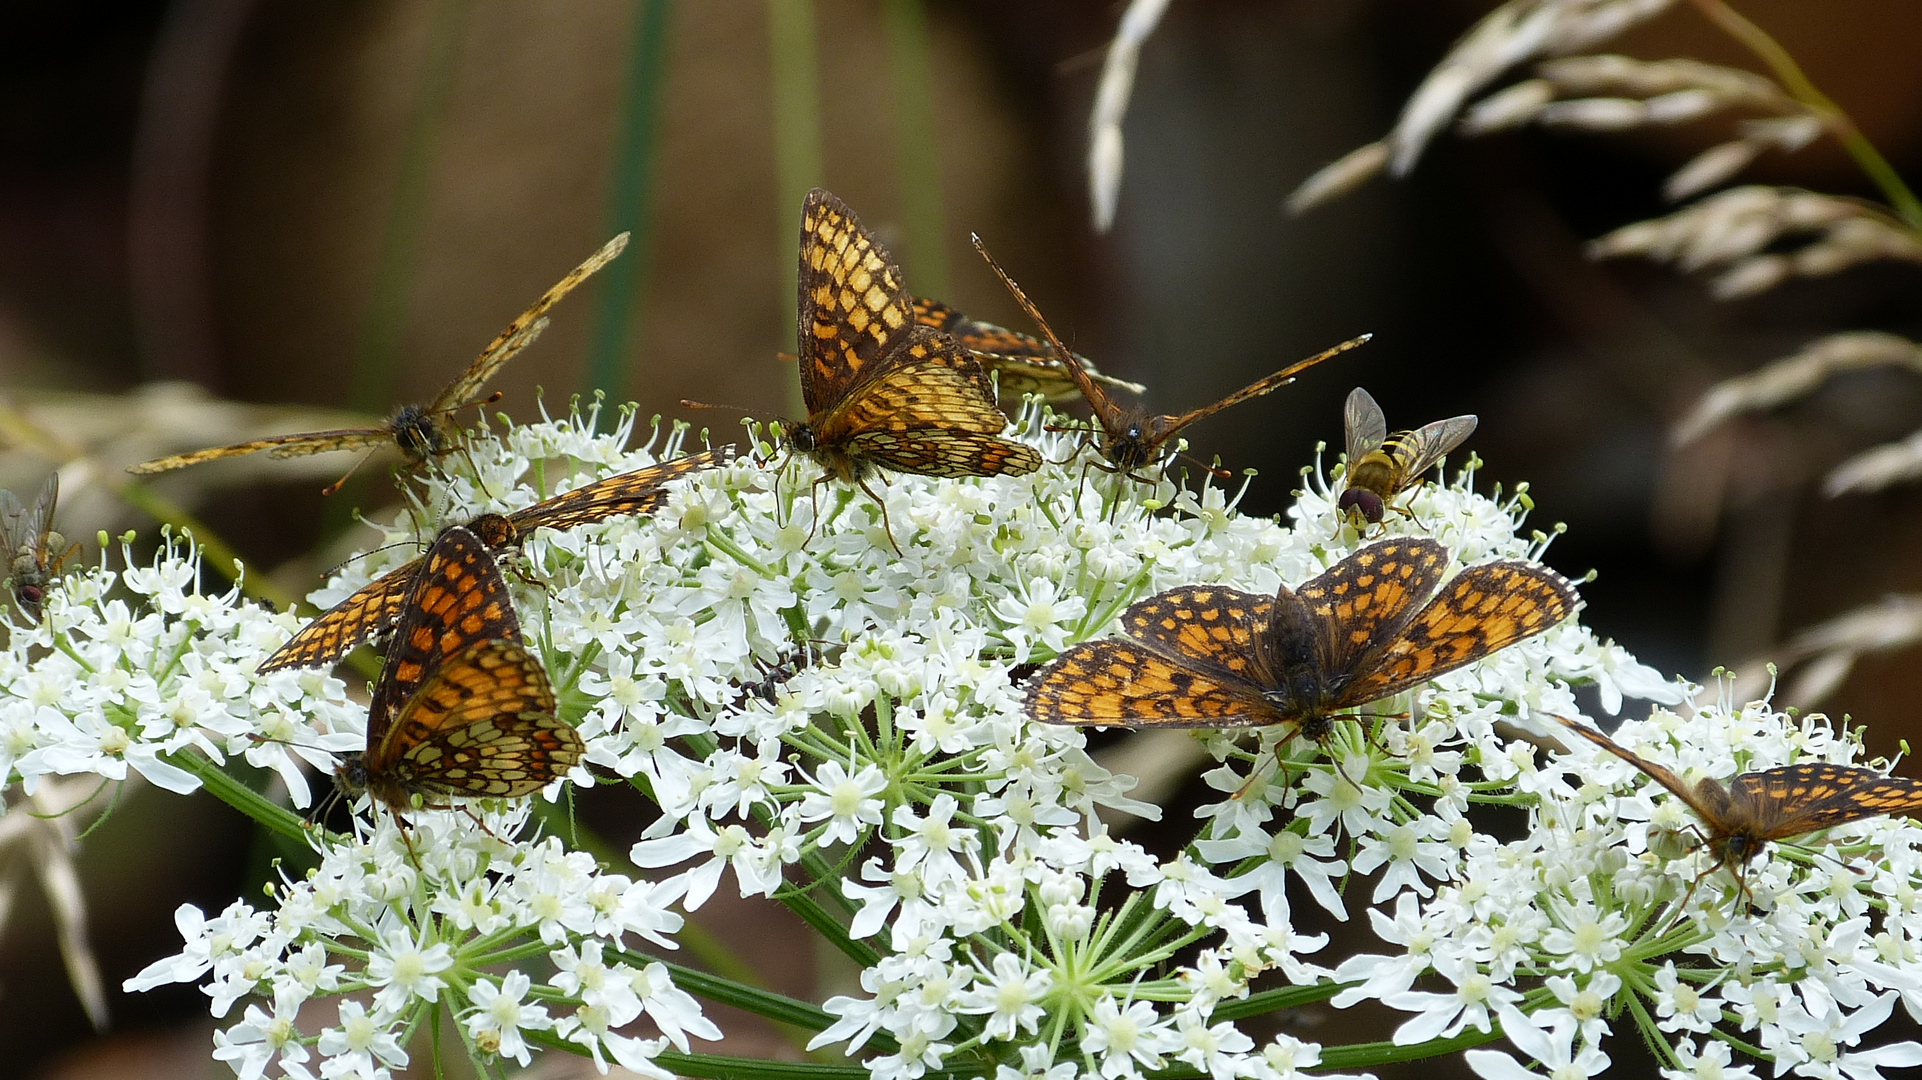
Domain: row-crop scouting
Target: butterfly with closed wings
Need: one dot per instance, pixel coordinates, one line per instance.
(462, 708)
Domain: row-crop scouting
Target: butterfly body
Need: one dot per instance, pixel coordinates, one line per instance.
(376, 606)
(882, 391)
(1381, 466)
(1742, 817)
(1371, 626)
(420, 432)
(462, 709)
(34, 550)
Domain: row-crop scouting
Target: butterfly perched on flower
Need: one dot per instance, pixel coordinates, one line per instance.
(462, 709)
(1372, 625)
(1021, 364)
(1382, 466)
(1130, 436)
(34, 551)
(1739, 818)
(420, 431)
(375, 606)
(883, 391)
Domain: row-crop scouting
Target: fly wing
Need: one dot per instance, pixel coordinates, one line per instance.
(1424, 446)
(1363, 424)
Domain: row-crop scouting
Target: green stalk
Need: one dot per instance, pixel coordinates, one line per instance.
(1287, 997)
(372, 385)
(630, 197)
(221, 786)
(917, 151)
(1792, 78)
(797, 131)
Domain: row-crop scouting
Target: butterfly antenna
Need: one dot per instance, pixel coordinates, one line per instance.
(335, 486)
(1096, 398)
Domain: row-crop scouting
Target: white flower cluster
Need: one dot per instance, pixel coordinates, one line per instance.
(806, 704)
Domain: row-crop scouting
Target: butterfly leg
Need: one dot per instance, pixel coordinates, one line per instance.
(885, 527)
(336, 485)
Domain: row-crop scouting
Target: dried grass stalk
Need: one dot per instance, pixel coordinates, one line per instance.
(1791, 378)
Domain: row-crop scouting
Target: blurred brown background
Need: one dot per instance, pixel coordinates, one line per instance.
(338, 204)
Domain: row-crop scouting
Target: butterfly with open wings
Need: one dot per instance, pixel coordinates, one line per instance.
(420, 431)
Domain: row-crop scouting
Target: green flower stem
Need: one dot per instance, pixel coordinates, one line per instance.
(221, 786)
(916, 147)
(1791, 76)
(1288, 997)
(722, 1067)
(1370, 1055)
(798, 155)
(825, 924)
(630, 201)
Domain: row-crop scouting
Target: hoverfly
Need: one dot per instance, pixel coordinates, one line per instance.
(32, 546)
(1382, 466)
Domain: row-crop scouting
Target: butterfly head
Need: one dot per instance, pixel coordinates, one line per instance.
(495, 530)
(418, 432)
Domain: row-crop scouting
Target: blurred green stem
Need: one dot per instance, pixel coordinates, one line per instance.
(797, 132)
(917, 151)
(372, 387)
(630, 198)
(1791, 76)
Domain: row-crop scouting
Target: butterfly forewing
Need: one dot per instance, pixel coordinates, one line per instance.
(853, 310)
(1211, 624)
(458, 597)
(373, 608)
(1797, 799)
(1124, 682)
(1481, 610)
(1361, 604)
(466, 387)
(1021, 364)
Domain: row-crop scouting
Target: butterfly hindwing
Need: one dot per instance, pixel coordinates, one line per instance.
(1117, 681)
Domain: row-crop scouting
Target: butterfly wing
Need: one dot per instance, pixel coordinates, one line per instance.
(1022, 364)
(1363, 424)
(854, 314)
(481, 726)
(1209, 624)
(636, 492)
(466, 387)
(1165, 427)
(1710, 814)
(456, 599)
(1797, 799)
(280, 446)
(1360, 605)
(333, 633)
(930, 414)
(1107, 412)
(1482, 609)
(1116, 681)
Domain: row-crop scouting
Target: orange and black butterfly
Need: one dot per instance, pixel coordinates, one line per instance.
(1207, 656)
(420, 431)
(1740, 818)
(462, 709)
(883, 391)
(1022, 364)
(1382, 466)
(374, 607)
(1130, 435)
(34, 552)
